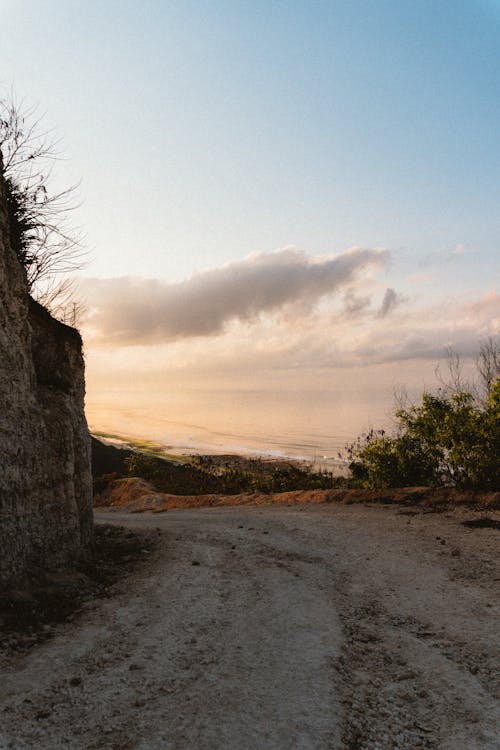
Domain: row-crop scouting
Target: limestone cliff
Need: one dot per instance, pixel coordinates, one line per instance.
(45, 476)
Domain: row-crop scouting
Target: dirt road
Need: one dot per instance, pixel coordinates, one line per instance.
(301, 628)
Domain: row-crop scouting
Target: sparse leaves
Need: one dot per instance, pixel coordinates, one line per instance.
(488, 362)
(42, 236)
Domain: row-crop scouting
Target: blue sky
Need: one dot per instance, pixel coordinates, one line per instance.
(204, 131)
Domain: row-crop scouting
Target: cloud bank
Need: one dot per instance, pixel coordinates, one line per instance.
(279, 311)
(145, 311)
(325, 339)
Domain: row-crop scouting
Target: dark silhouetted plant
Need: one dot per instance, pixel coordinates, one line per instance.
(40, 231)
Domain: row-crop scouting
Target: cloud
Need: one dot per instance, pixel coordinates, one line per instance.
(442, 257)
(312, 349)
(391, 299)
(425, 332)
(144, 311)
(354, 303)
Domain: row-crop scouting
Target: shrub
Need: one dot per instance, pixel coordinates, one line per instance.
(447, 440)
(45, 242)
(211, 474)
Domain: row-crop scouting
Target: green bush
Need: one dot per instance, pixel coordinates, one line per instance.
(447, 440)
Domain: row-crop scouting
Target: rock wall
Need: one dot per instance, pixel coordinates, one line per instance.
(45, 475)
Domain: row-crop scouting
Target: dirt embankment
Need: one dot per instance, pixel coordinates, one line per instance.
(136, 495)
(329, 626)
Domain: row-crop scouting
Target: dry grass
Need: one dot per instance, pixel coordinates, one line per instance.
(136, 496)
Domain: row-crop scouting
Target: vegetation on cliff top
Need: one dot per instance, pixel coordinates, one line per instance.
(451, 438)
(200, 475)
(41, 234)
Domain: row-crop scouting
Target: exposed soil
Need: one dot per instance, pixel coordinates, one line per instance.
(136, 495)
(316, 626)
(30, 612)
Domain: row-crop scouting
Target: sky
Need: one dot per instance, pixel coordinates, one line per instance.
(277, 197)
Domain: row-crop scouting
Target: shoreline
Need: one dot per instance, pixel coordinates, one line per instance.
(239, 454)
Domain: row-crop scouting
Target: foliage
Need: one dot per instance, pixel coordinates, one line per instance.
(450, 439)
(207, 475)
(41, 235)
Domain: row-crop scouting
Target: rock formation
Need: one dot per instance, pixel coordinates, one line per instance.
(45, 475)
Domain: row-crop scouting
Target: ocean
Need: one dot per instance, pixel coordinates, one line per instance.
(302, 424)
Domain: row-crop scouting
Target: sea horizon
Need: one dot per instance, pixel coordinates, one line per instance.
(306, 426)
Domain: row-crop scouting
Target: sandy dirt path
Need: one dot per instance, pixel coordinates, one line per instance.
(300, 628)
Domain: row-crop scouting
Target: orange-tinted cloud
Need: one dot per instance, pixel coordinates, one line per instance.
(127, 311)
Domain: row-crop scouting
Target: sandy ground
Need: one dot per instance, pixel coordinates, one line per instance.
(292, 628)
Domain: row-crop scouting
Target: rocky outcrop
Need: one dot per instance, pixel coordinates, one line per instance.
(45, 476)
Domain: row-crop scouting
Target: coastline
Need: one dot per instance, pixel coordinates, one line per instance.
(239, 454)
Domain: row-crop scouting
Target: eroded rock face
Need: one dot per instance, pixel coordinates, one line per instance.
(45, 475)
